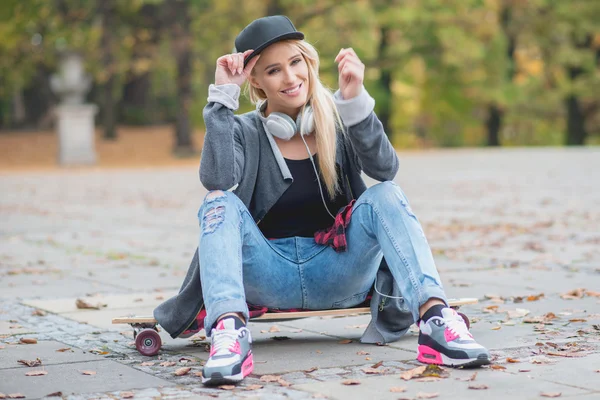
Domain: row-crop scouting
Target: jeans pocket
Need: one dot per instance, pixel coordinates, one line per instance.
(351, 301)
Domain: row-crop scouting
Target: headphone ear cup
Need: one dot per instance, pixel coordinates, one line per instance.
(281, 125)
(306, 123)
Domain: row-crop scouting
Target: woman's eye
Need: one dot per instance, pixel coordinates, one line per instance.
(271, 72)
(296, 61)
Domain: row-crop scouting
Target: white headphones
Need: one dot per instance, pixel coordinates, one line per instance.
(283, 126)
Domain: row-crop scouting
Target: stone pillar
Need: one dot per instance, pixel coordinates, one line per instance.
(75, 120)
(76, 139)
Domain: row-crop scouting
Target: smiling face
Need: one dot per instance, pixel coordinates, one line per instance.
(282, 74)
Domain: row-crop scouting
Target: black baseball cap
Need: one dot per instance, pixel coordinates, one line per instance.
(263, 32)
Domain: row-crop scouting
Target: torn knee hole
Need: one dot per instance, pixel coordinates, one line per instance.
(213, 218)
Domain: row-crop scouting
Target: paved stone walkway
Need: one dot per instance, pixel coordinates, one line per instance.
(516, 228)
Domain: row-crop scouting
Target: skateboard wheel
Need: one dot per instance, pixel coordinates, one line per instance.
(466, 319)
(148, 342)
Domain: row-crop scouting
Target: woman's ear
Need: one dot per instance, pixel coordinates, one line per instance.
(253, 81)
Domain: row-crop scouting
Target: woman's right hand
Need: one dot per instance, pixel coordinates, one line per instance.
(230, 68)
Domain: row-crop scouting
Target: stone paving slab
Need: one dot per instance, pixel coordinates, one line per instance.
(68, 378)
(44, 287)
(8, 328)
(45, 351)
(501, 386)
(111, 302)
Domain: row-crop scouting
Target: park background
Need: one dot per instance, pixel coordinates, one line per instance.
(444, 73)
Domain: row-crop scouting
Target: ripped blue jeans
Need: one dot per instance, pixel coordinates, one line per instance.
(238, 265)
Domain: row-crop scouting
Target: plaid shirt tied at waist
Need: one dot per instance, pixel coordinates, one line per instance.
(335, 236)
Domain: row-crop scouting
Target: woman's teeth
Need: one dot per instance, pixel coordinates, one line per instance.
(292, 91)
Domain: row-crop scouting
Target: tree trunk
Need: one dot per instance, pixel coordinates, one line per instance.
(182, 45)
(495, 113)
(107, 9)
(138, 105)
(385, 81)
(493, 124)
(576, 132)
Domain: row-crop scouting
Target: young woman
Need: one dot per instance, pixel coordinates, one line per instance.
(300, 230)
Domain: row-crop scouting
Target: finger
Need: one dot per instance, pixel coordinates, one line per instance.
(340, 55)
(238, 59)
(251, 65)
(230, 62)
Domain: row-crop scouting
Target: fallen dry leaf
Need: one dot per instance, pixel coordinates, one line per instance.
(84, 305)
(2, 396)
(313, 369)
(351, 382)
(269, 378)
(490, 309)
(497, 367)
(55, 394)
(64, 349)
(377, 365)
(147, 364)
(38, 313)
(412, 373)
(478, 386)
(36, 373)
(553, 394)
(573, 294)
(253, 387)
(535, 297)
(524, 370)
(592, 293)
(578, 320)
(32, 363)
(423, 395)
(371, 371)
(274, 329)
(512, 360)
(98, 351)
(167, 364)
(227, 387)
(127, 395)
(16, 396)
(496, 328)
(182, 371)
(88, 372)
(345, 341)
(28, 340)
(363, 353)
(398, 389)
(284, 383)
(469, 378)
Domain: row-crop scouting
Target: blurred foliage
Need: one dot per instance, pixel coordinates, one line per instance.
(437, 68)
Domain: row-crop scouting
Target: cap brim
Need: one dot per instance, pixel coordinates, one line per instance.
(286, 36)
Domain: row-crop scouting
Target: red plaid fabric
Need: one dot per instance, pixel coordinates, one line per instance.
(335, 236)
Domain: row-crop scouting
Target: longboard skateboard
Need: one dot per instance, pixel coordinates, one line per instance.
(148, 342)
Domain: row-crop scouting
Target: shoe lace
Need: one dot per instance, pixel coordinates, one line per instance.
(458, 326)
(223, 340)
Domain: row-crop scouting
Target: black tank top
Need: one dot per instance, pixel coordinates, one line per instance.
(300, 210)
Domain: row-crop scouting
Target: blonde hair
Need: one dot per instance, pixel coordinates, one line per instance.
(326, 117)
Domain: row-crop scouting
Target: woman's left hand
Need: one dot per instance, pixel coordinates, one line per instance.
(351, 73)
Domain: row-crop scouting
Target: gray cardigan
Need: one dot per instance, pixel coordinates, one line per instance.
(240, 155)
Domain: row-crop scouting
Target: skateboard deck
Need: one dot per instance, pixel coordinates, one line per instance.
(148, 341)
